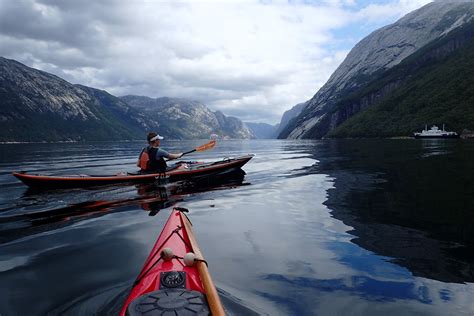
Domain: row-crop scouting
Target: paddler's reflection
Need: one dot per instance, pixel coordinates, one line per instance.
(155, 197)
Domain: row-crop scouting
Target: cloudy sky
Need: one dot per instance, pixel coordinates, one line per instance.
(250, 59)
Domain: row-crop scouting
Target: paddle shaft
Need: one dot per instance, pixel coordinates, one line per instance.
(188, 152)
(211, 293)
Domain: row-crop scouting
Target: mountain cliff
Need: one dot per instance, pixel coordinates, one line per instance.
(435, 85)
(375, 54)
(36, 106)
(184, 119)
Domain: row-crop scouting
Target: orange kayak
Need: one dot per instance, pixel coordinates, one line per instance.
(182, 171)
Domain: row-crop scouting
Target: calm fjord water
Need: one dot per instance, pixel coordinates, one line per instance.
(331, 227)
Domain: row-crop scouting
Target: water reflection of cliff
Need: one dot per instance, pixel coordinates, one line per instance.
(151, 197)
(407, 200)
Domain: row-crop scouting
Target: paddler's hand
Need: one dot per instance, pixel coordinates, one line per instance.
(175, 156)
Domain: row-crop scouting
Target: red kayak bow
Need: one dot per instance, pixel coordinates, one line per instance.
(174, 279)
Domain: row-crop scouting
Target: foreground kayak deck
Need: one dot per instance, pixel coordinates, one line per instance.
(174, 279)
(183, 170)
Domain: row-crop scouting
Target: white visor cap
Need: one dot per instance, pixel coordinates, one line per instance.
(156, 138)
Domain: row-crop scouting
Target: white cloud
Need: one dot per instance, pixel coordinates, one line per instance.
(241, 57)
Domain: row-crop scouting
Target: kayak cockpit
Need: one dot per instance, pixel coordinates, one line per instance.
(169, 302)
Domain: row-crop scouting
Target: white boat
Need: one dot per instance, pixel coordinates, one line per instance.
(435, 132)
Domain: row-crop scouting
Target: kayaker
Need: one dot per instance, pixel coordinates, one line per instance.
(152, 158)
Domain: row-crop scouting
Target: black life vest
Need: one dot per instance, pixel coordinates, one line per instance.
(148, 162)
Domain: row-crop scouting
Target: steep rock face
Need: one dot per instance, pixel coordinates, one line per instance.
(40, 92)
(37, 106)
(435, 85)
(347, 108)
(290, 115)
(378, 52)
(184, 119)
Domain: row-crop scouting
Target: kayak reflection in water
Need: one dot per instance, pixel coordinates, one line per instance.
(152, 157)
(150, 197)
(158, 197)
(155, 196)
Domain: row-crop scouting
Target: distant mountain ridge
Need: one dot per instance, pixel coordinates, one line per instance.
(36, 106)
(184, 119)
(375, 54)
(290, 115)
(263, 130)
(267, 131)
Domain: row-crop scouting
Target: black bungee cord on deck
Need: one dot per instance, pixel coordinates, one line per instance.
(175, 231)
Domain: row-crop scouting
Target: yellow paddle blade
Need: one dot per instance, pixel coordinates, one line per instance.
(207, 146)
